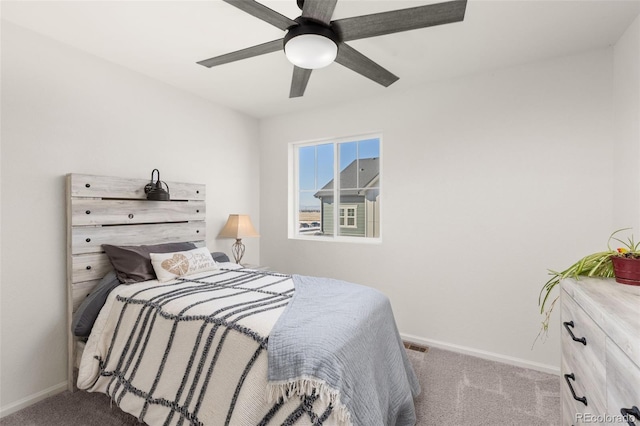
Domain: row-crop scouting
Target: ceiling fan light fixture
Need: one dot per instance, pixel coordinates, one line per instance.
(310, 45)
(311, 51)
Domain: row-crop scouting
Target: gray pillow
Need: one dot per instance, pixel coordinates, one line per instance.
(133, 263)
(87, 312)
(219, 256)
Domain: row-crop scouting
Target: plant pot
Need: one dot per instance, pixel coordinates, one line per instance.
(626, 270)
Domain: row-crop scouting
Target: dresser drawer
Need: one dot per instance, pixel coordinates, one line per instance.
(623, 383)
(583, 353)
(575, 412)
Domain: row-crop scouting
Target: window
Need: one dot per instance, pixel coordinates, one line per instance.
(346, 170)
(348, 216)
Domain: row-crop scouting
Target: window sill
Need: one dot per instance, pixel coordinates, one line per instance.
(360, 240)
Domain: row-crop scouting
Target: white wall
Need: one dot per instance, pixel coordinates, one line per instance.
(626, 91)
(64, 111)
(487, 181)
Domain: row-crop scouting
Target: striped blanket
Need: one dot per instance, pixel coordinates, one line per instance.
(194, 352)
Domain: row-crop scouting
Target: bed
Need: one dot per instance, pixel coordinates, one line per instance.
(214, 343)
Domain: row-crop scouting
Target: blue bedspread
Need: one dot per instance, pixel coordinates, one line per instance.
(340, 341)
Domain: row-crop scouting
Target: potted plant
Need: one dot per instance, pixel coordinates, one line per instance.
(622, 263)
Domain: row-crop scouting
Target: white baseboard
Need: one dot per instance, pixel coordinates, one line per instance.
(32, 399)
(482, 354)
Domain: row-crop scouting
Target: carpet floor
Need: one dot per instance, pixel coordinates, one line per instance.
(464, 390)
(456, 390)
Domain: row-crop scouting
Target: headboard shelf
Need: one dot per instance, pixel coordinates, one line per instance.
(115, 187)
(89, 267)
(89, 239)
(117, 212)
(81, 291)
(112, 210)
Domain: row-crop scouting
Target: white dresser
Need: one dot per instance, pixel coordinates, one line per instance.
(600, 352)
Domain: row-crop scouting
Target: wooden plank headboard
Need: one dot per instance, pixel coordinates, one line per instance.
(112, 210)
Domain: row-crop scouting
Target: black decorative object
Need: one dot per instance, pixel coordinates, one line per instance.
(155, 191)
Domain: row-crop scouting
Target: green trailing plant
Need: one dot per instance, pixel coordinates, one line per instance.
(593, 265)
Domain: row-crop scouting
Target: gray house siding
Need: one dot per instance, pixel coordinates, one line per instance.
(361, 217)
(359, 183)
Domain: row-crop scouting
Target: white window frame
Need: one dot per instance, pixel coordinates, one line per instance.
(347, 207)
(294, 190)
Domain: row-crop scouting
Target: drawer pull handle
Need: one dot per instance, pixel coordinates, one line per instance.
(628, 412)
(568, 324)
(572, 376)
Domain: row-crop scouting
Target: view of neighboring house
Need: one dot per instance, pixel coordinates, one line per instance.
(359, 209)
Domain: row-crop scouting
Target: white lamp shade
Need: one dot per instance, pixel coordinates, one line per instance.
(238, 226)
(311, 51)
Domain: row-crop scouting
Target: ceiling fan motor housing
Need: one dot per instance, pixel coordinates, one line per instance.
(310, 45)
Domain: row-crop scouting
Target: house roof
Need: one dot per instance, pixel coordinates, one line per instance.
(357, 175)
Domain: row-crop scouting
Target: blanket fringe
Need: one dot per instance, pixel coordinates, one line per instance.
(306, 386)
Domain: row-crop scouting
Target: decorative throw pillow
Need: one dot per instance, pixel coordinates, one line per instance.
(85, 316)
(168, 266)
(133, 263)
(219, 256)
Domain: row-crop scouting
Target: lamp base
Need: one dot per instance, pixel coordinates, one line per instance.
(238, 250)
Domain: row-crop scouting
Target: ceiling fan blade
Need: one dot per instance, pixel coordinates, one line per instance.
(356, 61)
(299, 81)
(399, 20)
(319, 10)
(262, 12)
(249, 52)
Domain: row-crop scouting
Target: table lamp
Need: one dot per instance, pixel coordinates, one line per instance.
(238, 226)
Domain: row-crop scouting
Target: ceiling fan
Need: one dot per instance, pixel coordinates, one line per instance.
(314, 41)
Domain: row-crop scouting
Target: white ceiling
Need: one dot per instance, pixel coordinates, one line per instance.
(164, 39)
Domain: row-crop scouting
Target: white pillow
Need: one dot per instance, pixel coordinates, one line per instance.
(168, 266)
